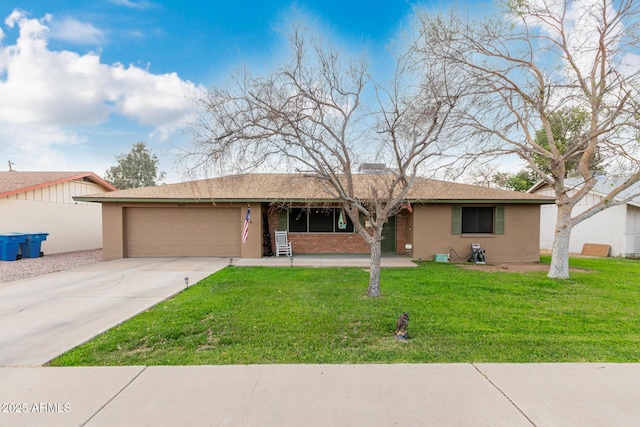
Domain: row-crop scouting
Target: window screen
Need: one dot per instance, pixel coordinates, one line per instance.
(477, 220)
(319, 220)
(298, 220)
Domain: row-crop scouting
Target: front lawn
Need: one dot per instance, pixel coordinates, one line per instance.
(244, 315)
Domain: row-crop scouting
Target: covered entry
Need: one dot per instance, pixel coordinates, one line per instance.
(388, 244)
(182, 231)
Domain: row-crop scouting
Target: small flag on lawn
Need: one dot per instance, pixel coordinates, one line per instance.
(245, 230)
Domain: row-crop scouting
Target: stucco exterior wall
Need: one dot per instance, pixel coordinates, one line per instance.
(608, 227)
(431, 231)
(114, 230)
(428, 228)
(71, 225)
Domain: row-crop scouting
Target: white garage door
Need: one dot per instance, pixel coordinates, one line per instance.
(161, 232)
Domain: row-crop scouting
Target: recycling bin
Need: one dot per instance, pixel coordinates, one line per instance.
(10, 244)
(30, 247)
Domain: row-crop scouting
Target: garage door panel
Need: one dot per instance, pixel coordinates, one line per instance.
(178, 227)
(149, 252)
(149, 226)
(157, 232)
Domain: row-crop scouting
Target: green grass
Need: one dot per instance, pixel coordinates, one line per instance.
(312, 315)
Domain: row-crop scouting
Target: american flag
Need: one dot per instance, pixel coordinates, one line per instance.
(245, 230)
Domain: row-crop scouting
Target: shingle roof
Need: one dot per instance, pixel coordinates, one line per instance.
(602, 188)
(14, 182)
(606, 185)
(298, 188)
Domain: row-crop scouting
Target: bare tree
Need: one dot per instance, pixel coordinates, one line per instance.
(481, 174)
(522, 180)
(311, 114)
(526, 66)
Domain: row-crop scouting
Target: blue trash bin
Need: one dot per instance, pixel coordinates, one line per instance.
(9, 245)
(31, 246)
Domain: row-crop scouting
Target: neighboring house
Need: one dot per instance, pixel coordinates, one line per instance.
(43, 202)
(205, 218)
(618, 226)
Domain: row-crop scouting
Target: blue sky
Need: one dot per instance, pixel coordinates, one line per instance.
(82, 81)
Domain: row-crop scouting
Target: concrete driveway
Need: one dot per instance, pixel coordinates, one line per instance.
(42, 317)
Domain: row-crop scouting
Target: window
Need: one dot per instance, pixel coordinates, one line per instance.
(297, 220)
(477, 220)
(319, 220)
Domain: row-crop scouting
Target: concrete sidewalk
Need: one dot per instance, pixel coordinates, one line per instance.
(324, 395)
(361, 261)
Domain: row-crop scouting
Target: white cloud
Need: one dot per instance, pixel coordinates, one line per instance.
(35, 146)
(140, 5)
(47, 97)
(74, 31)
(630, 64)
(15, 16)
(579, 23)
(149, 98)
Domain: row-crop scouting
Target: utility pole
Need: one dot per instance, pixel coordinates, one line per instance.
(10, 164)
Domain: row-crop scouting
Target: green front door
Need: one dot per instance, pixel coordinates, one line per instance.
(388, 244)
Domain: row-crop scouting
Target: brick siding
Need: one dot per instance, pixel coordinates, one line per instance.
(401, 231)
(334, 243)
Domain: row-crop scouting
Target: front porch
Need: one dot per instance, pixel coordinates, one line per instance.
(315, 230)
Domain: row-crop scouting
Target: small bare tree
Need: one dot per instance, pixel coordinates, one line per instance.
(527, 67)
(311, 114)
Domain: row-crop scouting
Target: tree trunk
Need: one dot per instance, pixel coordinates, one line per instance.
(374, 271)
(559, 268)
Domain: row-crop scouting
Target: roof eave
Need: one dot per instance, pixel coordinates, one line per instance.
(305, 201)
(140, 200)
(537, 186)
(91, 175)
(485, 201)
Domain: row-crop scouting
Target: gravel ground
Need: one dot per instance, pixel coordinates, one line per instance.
(32, 267)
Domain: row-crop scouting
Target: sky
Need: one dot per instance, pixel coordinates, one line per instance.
(82, 81)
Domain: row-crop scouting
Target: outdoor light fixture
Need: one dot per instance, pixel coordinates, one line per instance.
(186, 282)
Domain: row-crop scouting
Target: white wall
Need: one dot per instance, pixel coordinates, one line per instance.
(633, 230)
(72, 226)
(608, 227)
(548, 215)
